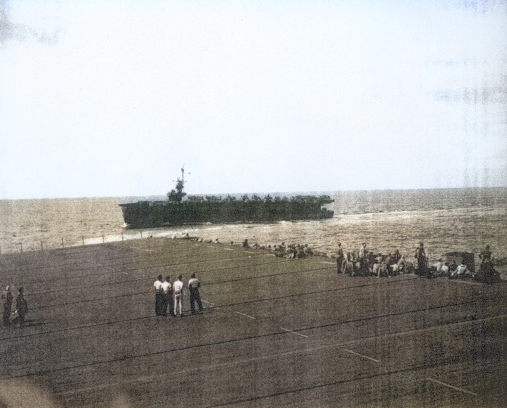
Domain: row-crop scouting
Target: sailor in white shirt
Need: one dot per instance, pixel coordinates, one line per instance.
(445, 269)
(461, 270)
(193, 286)
(362, 251)
(178, 295)
(158, 295)
(438, 266)
(167, 298)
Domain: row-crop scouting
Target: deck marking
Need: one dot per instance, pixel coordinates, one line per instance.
(362, 355)
(195, 369)
(329, 263)
(466, 282)
(293, 332)
(249, 252)
(210, 306)
(242, 314)
(258, 358)
(229, 249)
(452, 386)
(216, 366)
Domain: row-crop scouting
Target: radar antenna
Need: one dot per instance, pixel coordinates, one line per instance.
(182, 176)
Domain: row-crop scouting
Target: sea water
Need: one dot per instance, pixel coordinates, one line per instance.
(446, 220)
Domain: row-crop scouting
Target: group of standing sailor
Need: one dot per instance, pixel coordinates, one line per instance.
(170, 296)
(20, 311)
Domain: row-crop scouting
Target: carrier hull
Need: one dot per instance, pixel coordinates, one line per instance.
(144, 214)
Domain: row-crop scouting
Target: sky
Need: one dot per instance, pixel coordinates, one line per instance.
(111, 98)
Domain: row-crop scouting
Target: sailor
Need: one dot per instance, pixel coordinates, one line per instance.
(420, 255)
(362, 251)
(461, 270)
(166, 296)
(193, 286)
(486, 260)
(178, 296)
(157, 285)
(363, 260)
(437, 266)
(21, 307)
(396, 257)
(444, 270)
(340, 258)
(7, 299)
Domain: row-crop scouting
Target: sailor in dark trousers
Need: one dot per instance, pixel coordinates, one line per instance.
(422, 261)
(7, 299)
(167, 290)
(193, 286)
(21, 307)
(159, 301)
(340, 258)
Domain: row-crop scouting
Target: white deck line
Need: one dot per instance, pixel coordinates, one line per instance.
(452, 386)
(215, 366)
(329, 263)
(293, 332)
(466, 282)
(209, 304)
(242, 314)
(362, 355)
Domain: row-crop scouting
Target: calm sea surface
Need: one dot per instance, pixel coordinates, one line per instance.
(446, 220)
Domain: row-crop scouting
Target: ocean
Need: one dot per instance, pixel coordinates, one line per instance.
(445, 219)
